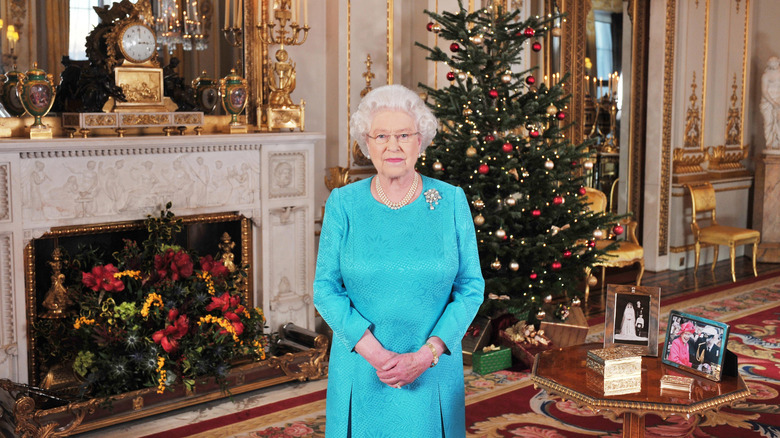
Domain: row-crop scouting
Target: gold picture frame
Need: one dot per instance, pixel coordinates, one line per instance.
(631, 317)
(143, 89)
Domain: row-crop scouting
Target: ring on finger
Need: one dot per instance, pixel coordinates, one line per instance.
(398, 385)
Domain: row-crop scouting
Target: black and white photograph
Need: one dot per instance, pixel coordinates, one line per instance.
(632, 317)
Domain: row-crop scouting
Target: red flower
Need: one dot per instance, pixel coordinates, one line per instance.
(238, 326)
(225, 303)
(170, 335)
(102, 278)
(213, 267)
(177, 263)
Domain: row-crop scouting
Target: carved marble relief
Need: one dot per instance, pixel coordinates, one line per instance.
(74, 188)
(290, 299)
(8, 342)
(5, 193)
(287, 176)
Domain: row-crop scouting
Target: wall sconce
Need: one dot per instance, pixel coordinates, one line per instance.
(234, 34)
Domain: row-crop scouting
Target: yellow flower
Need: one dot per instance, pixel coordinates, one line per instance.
(82, 320)
(222, 322)
(131, 274)
(205, 276)
(151, 299)
(163, 375)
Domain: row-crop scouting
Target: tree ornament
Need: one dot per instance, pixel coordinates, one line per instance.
(574, 163)
(556, 265)
(536, 46)
(556, 31)
(533, 276)
(454, 47)
(493, 93)
(437, 166)
(592, 280)
(436, 28)
(450, 76)
(507, 147)
(536, 213)
(490, 137)
(582, 191)
(560, 115)
(514, 266)
(429, 26)
(534, 134)
(588, 165)
(506, 78)
(510, 201)
(462, 76)
(479, 204)
(496, 264)
(598, 233)
(548, 299)
(526, 174)
(551, 109)
(592, 243)
(529, 32)
(477, 39)
(558, 200)
(471, 151)
(500, 233)
(540, 314)
(618, 230)
(549, 165)
(575, 302)
(566, 253)
(530, 80)
(483, 168)
(479, 220)
(467, 112)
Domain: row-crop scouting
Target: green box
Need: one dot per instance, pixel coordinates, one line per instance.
(488, 362)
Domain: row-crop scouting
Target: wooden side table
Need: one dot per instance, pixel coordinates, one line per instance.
(561, 372)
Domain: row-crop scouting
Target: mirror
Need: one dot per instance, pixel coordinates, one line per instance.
(602, 44)
(47, 46)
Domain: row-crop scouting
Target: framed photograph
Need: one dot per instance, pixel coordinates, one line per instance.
(695, 344)
(632, 317)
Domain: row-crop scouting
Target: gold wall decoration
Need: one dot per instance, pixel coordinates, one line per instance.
(692, 137)
(666, 147)
(734, 118)
(686, 162)
(720, 158)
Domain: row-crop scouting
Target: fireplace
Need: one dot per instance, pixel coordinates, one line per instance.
(259, 187)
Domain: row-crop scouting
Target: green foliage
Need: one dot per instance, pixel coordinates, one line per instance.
(532, 246)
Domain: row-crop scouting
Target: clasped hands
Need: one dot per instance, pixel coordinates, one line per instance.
(397, 370)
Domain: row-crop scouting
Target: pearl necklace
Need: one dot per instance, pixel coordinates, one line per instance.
(402, 202)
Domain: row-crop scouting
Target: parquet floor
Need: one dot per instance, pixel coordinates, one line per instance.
(677, 283)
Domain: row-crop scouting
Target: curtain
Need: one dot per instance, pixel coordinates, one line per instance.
(57, 35)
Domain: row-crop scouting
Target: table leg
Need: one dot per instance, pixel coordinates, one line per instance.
(633, 425)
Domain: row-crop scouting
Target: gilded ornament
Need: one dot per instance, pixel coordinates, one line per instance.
(514, 266)
(496, 264)
(471, 151)
(479, 220)
(510, 201)
(479, 204)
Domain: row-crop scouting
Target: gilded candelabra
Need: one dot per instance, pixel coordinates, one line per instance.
(282, 28)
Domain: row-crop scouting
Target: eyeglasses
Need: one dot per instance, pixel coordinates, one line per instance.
(404, 138)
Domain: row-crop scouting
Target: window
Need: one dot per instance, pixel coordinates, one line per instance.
(82, 20)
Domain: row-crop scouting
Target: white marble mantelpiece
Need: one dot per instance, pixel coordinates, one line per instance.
(66, 182)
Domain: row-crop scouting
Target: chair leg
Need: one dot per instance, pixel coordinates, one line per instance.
(697, 253)
(603, 278)
(715, 252)
(733, 255)
(641, 272)
(755, 254)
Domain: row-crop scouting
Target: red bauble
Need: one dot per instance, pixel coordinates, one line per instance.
(536, 46)
(451, 75)
(534, 134)
(529, 32)
(490, 137)
(533, 276)
(507, 147)
(530, 80)
(429, 26)
(566, 254)
(592, 243)
(558, 200)
(574, 163)
(493, 93)
(618, 230)
(582, 191)
(556, 266)
(483, 168)
(560, 115)
(454, 47)
(536, 213)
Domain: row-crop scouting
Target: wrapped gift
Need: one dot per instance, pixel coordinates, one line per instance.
(491, 359)
(476, 338)
(613, 386)
(571, 331)
(615, 362)
(525, 342)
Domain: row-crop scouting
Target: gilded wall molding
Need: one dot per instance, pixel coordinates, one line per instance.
(745, 39)
(638, 10)
(693, 119)
(141, 150)
(8, 342)
(5, 193)
(733, 134)
(666, 147)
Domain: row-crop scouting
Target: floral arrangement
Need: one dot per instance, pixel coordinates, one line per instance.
(159, 315)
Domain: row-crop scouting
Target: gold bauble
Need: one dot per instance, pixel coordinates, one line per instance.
(588, 165)
(437, 166)
(513, 265)
(540, 314)
(575, 302)
(555, 31)
(506, 78)
(548, 299)
(471, 151)
(462, 76)
(510, 201)
(479, 204)
(592, 280)
(549, 165)
(467, 112)
(479, 220)
(496, 264)
(552, 110)
(598, 234)
(500, 233)
(477, 39)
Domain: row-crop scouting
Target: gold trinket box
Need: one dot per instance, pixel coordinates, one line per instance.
(615, 362)
(676, 383)
(613, 386)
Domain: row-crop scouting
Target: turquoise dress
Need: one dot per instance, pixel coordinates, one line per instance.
(406, 275)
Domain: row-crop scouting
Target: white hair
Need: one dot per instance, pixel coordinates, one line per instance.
(392, 97)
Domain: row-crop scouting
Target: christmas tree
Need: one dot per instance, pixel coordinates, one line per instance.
(502, 140)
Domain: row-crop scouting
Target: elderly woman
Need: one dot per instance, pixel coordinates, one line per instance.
(398, 280)
(679, 350)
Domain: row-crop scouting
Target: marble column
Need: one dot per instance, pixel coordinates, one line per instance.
(765, 211)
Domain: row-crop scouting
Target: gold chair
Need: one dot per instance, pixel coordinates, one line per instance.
(703, 202)
(628, 251)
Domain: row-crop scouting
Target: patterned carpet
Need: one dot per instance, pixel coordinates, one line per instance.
(505, 403)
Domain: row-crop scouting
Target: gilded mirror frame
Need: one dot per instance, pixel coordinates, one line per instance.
(572, 44)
